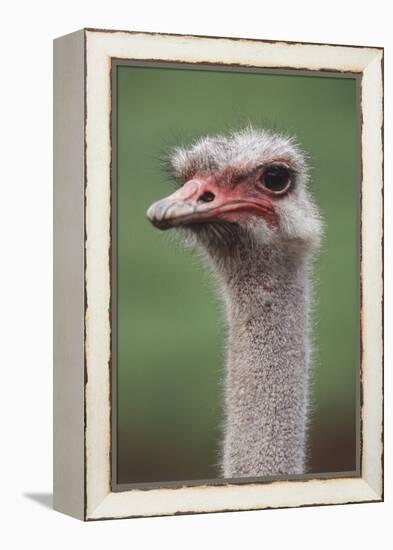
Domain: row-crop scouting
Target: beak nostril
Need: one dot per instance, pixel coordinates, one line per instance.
(207, 196)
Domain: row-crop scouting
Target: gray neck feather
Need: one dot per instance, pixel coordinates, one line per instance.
(267, 366)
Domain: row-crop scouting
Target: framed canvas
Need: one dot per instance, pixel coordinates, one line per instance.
(218, 269)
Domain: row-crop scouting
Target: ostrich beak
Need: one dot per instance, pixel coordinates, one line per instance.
(202, 201)
(189, 204)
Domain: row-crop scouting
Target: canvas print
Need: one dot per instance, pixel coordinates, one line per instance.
(235, 316)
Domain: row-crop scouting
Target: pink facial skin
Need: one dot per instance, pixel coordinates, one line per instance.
(225, 196)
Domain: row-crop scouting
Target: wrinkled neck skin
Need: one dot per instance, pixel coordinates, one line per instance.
(266, 293)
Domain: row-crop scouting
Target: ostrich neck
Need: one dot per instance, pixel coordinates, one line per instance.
(266, 379)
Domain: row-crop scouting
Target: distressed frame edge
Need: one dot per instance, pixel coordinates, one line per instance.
(236, 38)
(69, 277)
(358, 492)
(372, 272)
(375, 493)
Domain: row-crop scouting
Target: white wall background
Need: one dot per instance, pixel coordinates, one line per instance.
(26, 305)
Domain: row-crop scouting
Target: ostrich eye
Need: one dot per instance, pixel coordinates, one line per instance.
(276, 178)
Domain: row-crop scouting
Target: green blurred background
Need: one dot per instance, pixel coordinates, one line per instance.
(169, 332)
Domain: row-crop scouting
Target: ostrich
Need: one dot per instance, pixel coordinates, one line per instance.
(243, 200)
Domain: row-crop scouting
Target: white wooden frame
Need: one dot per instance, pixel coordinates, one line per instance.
(82, 448)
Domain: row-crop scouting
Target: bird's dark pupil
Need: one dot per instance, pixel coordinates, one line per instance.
(276, 179)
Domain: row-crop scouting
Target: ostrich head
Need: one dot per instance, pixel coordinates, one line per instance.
(247, 189)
